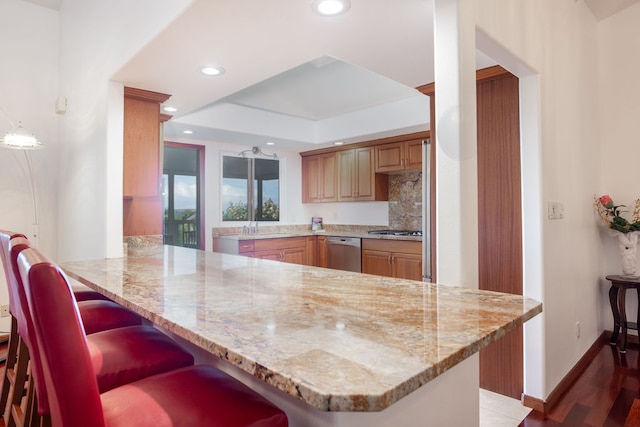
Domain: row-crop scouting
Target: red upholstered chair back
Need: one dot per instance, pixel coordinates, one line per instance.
(68, 374)
(5, 238)
(25, 322)
(16, 290)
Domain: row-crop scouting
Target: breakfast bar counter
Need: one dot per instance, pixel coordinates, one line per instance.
(335, 340)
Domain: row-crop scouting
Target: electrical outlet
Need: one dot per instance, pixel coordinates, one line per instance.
(577, 330)
(4, 311)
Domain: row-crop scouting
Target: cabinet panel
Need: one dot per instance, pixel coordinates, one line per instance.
(295, 255)
(346, 175)
(399, 156)
(407, 266)
(389, 157)
(376, 262)
(274, 255)
(311, 178)
(329, 189)
(392, 258)
(322, 251)
(319, 183)
(142, 204)
(414, 154)
(365, 175)
(311, 251)
(295, 250)
(357, 180)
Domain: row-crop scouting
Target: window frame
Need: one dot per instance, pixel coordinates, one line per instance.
(251, 191)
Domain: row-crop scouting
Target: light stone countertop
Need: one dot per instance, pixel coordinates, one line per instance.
(337, 340)
(275, 232)
(260, 236)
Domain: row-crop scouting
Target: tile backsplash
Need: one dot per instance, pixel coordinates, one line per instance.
(405, 201)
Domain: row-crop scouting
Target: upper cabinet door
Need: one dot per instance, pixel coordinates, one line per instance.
(343, 176)
(389, 157)
(347, 177)
(413, 154)
(356, 178)
(319, 178)
(365, 175)
(329, 178)
(142, 145)
(399, 156)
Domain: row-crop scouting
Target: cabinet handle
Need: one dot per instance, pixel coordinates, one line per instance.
(393, 259)
(389, 259)
(281, 256)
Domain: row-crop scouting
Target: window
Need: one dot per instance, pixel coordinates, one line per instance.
(250, 189)
(181, 191)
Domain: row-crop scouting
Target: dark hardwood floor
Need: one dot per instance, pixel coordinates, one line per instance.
(607, 394)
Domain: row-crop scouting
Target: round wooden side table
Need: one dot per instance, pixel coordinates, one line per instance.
(617, 292)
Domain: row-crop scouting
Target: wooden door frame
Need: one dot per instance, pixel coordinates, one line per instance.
(482, 76)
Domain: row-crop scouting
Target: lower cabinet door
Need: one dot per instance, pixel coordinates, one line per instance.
(377, 262)
(295, 255)
(407, 266)
(275, 255)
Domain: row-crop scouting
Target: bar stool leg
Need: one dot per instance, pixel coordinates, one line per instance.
(18, 379)
(12, 354)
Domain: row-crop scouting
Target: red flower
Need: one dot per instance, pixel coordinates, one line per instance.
(606, 201)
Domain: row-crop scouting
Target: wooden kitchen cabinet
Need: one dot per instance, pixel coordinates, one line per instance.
(319, 178)
(142, 162)
(357, 180)
(392, 258)
(399, 156)
(142, 145)
(321, 252)
(294, 250)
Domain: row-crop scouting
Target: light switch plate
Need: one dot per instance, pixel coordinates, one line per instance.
(555, 210)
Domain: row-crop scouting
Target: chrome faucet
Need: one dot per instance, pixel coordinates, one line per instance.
(252, 228)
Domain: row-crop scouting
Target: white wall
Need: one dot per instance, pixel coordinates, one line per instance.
(28, 90)
(557, 39)
(96, 39)
(619, 91)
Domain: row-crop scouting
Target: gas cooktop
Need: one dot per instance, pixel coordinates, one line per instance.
(397, 232)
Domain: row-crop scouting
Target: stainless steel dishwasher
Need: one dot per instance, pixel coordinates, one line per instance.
(343, 253)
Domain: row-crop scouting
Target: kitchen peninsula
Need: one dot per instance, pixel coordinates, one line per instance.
(332, 348)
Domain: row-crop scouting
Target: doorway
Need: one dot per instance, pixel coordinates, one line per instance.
(182, 195)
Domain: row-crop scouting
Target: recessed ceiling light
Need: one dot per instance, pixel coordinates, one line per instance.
(330, 7)
(188, 132)
(212, 70)
(271, 143)
(170, 109)
(338, 143)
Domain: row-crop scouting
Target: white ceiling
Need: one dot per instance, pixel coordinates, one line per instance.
(382, 49)
(602, 9)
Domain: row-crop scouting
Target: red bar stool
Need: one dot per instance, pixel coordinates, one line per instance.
(14, 339)
(97, 315)
(189, 397)
(118, 356)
